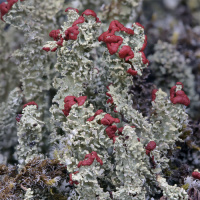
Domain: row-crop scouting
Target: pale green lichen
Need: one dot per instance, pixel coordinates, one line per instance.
(125, 162)
(9, 74)
(125, 11)
(34, 67)
(127, 170)
(8, 130)
(30, 65)
(171, 192)
(29, 134)
(170, 66)
(88, 187)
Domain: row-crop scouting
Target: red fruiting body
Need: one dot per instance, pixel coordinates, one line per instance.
(153, 94)
(112, 41)
(71, 182)
(55, 34)
(127, 30)
(196, 175)
(117, 26)
(70, 8)
(150, 147)
(144, 59)
(89, 12)
(69, 98)
(138, 24)
(60, 42)
(30, 103)
(66, 112)
(46, 49)
(109, 100)
(179, 83)
(98, 112)
(110, 131)
(179, 97)
(54, 49)
(4, 8)
(90, 119)
(109, 120)
(145, 44)
(89, 159)
(92, 13)
(81, 100)
(109, 95)
(70, 101)
(71, 33)
(148, 152)
(126, 52)
(101, 37)
(131, 72)
(80, 20)
(120, 130)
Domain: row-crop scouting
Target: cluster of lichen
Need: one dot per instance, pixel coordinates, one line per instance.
(101, 145)
(125, 163)
(43, 176)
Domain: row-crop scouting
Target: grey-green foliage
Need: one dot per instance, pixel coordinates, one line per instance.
(126, 10)
(34, 64)
(127, 169)
(9, 74)
(125, 164)
(29, 64)
(90, 189)
(8, 111)
(129, 160)
(171, 192)
(168, 66)
(165, 124)
(75, 77)
(76, 68)
(29, 134)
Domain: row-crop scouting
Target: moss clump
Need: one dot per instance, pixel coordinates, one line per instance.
(42, 175)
